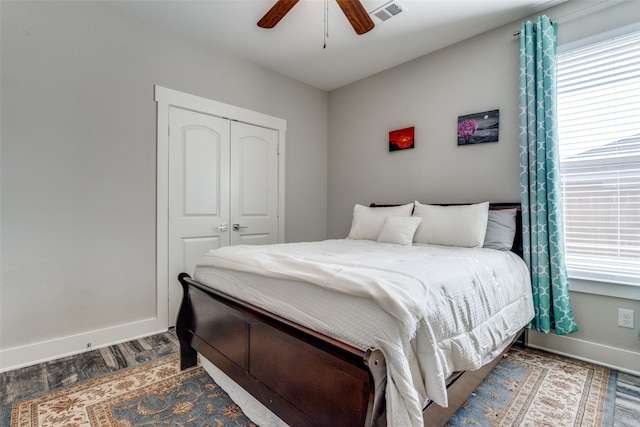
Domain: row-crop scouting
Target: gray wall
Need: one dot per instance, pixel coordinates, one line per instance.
(78, 152)
(429, 93)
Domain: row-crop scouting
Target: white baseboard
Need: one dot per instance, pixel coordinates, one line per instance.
(600, 354)
(43, 351)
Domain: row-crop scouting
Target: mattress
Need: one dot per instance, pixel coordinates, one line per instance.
(432, 310)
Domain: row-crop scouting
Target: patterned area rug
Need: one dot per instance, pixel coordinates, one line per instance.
(153, 394)
(535, 388)
(527, 388)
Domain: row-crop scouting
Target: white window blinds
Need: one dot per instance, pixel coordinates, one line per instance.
(599, 132)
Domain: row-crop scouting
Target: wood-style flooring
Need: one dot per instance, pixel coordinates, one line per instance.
(30, 381)
(627, 412)
(37, 379)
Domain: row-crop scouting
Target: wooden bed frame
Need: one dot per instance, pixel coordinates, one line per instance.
(304, 377)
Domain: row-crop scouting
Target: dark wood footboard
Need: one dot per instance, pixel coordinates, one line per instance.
(304, 377)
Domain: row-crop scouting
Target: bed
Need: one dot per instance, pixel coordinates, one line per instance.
(268, 322)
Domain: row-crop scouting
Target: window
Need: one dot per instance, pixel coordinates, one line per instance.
(599, 132)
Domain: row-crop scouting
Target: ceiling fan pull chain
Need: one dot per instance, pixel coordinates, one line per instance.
(326, 23)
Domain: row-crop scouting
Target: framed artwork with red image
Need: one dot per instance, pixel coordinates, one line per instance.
(401, 139)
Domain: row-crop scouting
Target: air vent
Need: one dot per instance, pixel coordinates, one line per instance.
(387, 11)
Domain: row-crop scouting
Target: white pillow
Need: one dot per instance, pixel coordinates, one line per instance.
(399, 229)
(367, 222)
(457, 225)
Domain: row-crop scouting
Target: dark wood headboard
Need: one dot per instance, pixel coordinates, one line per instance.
(517, 247)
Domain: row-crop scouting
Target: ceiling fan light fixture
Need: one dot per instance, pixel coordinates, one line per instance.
(356, 14)
(387, 11)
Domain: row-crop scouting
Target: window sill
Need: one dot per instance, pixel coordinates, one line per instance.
(603, 288)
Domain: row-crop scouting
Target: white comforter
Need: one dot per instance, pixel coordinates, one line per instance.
(453, 307)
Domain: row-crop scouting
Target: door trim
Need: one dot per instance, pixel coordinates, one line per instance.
(166, 98)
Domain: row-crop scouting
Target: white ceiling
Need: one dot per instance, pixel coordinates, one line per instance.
(295, 46)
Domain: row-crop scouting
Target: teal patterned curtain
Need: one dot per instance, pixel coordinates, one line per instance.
(540, 179)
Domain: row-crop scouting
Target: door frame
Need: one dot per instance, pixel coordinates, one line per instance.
(166, 98)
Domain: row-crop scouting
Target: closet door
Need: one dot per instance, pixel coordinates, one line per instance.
(194, 182)
(198, 192)
(254, 184)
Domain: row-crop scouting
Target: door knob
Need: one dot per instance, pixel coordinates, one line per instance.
(237, 227)
(223, 227)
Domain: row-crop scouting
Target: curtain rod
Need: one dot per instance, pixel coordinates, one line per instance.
(518, 32)
(575, 14)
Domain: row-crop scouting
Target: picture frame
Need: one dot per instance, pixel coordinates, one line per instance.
(401, 139)
(479, 127)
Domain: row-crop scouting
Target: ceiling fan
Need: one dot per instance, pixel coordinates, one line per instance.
(354, 11)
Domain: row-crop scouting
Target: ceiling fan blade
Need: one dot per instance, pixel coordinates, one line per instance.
(357, 15)
(276, 13)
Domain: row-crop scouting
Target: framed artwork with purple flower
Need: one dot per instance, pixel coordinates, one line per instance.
(478, 127)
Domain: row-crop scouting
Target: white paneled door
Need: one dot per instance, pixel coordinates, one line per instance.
(223, 189)
(254, 184)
